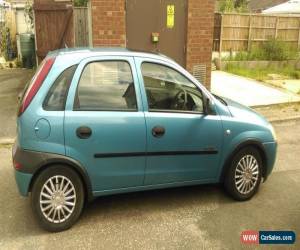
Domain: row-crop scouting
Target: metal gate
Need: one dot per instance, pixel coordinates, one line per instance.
(53, 27)
(157, 26)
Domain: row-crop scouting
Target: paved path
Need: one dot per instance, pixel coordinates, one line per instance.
(12, 82)
(248, 91)
(200, 217)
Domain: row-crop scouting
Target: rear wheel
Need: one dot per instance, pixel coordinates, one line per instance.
(57, 198)
(244, 175)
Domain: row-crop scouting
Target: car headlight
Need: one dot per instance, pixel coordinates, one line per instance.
(273, 132)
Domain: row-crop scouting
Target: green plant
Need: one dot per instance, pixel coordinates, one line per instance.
(276, 50)
(4, 36)
(28, 13)
(271, 50)
(226, 6)
(241, 5)
(233, 6)
(80, 3)
(263, 73)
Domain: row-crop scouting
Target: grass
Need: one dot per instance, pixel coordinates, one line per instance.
(262, 74)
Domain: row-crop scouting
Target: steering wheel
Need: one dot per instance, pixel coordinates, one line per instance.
(180, 100)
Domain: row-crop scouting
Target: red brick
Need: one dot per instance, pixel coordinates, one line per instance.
(199, 35)
(108, 22)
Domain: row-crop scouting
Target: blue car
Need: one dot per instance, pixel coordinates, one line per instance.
(96, 122)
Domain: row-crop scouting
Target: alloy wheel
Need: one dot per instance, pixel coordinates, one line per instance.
(57, 199)
(246, 174)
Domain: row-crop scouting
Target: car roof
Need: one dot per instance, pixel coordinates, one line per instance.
(81, 53)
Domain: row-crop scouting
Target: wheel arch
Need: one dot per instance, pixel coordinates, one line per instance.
(249, 143)
(81, 172)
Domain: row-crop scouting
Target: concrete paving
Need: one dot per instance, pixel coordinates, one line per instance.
(247, 91)
(12, 82)
(200, 217)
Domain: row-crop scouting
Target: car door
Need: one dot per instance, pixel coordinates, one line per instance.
(104, 122)
(183, 144)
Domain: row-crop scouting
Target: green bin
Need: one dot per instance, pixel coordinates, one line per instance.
(27, 49)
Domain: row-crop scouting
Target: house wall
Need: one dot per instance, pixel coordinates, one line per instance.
(108, 22)
(109, 29)
(200, 35)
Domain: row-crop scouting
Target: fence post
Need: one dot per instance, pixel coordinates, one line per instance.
(249, 34)
(276, 27)
(220, 40)
(299, 36)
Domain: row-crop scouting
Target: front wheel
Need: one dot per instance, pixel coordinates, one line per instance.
(244, 174)
(57, 198)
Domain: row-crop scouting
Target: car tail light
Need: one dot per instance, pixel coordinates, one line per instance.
(17, 165)
(35, 83)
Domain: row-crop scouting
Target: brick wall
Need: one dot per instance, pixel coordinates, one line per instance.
(108, 23)
(200, 35)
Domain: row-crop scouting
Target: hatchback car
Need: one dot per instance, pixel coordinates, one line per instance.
(97, 122)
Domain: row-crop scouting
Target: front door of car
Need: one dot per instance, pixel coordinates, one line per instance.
(105, 124)
(183, 143)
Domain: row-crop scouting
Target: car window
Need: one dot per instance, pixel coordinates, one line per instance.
(106, 85)
(169, 90)
(56, 97)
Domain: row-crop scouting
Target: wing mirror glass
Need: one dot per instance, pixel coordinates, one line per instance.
(206, 105)
(208, 109)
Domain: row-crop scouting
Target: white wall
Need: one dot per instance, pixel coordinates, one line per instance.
(20, 21)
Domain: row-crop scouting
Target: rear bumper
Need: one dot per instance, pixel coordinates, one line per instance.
(271, 152)
(22, 178)
(23, 181)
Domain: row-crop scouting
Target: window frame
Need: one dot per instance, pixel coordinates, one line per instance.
(105, 110)
(46, 99)
(167, 110)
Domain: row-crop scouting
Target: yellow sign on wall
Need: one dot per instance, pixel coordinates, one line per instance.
(170, 16)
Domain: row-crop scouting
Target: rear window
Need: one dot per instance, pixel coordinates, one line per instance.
(57, 95)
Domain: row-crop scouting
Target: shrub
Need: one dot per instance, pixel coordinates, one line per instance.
(271, 50)
(276, 50)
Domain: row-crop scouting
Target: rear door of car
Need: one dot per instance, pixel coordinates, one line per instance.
(104, 123)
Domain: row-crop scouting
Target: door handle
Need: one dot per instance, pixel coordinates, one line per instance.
(83, 132)
(158, 131)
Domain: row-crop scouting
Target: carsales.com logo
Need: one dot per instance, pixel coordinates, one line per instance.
(268, 237)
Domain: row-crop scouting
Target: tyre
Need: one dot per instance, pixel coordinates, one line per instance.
(57, 198)
(244, 175)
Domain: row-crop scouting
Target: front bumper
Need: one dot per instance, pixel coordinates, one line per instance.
(271, 152)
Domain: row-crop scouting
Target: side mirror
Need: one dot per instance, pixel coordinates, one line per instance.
(206, 106)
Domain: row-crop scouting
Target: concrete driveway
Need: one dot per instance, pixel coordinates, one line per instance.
(247, 91)
(200, 217)
(12, 82)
